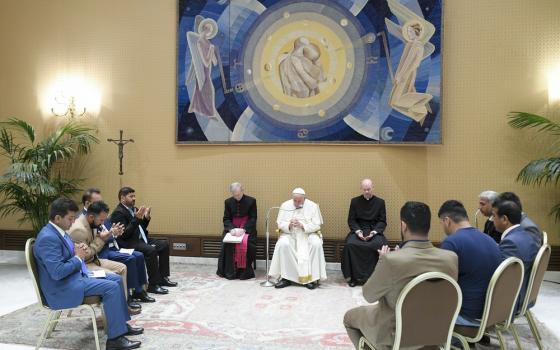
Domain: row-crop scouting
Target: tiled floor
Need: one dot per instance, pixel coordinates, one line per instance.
(16, 292)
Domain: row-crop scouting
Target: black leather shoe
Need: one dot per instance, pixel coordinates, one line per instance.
(283, 283)
(157, 289)
(134, 330)
(142, 297)
(122, 343)
(134, 305)
(167, 283)
(352, 283)
(310, 286)
(133, 312)
(485, 340)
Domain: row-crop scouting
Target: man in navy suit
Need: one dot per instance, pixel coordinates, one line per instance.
(526, 223)
(516, 241)
(135, 263)
(64, 281)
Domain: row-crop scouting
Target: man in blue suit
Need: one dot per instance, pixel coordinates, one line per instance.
(64, 281)
(516, 241)
(135, 263)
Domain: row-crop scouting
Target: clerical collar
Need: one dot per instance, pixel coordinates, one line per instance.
(367, 199)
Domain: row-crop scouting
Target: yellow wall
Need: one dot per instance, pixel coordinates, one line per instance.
(496, 55)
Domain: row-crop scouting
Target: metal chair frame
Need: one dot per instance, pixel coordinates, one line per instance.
(506, 324)
(399, 309)
(53, 316)
(525, 310)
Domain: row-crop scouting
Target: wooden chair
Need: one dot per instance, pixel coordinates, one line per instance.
(501, 298)
(426, 312)
(53, 316)
(534, 285)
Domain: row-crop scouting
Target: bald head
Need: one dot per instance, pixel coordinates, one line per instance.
(367, 188)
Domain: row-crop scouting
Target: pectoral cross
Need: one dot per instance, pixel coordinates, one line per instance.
(120, 142)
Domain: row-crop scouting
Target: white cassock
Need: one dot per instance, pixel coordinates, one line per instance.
(298, 254)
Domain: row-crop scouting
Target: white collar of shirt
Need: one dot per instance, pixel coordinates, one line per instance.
(509, 230)
(61, 231)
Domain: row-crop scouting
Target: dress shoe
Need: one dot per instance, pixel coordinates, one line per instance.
(142, 297)
(133, 312)
(352, 283)
(167, 283)
(310, 286)
(485, 340)
(134, 305)
(122, 343)
(157, 289)
(134, 330)
(283, 283)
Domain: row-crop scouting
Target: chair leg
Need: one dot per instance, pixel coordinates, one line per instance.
(532, 322)
(94, 323)
(464, 342)
(45, 329)
(104, 318)
(534, 329)
(516, 336)
(53, 323)
(501, 339)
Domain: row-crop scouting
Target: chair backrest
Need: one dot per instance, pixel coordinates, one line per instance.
(538, 269)
(544, 238)
(426, 311)
(502, 293)
(32, 268)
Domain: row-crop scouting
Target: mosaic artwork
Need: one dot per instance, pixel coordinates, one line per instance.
(305, 71)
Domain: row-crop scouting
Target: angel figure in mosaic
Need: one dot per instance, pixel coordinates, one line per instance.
(415, 34)
(204, 56)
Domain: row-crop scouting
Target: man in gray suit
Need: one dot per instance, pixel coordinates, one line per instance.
(393, 271)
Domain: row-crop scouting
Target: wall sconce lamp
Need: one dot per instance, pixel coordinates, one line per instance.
(554, 87)
(68, 107)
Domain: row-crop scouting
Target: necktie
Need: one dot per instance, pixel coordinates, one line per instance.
(71, 246)
(104, 228)
(142, 233)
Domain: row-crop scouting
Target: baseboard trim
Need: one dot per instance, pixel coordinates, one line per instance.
(204, 246)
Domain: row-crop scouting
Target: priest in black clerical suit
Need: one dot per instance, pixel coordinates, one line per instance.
(240, 218)
(367, 221)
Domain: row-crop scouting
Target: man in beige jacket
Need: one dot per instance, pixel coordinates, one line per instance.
(84, 230)
(393, 271)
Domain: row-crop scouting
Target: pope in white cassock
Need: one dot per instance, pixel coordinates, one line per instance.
(298, 254)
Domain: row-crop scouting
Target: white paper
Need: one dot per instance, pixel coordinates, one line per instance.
(97, 274)
(229, 238)
(126, 251)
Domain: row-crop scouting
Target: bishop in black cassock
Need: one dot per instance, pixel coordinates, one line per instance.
(367, 221)
(240, 211)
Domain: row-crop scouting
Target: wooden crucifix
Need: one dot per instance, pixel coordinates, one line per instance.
(120, 142)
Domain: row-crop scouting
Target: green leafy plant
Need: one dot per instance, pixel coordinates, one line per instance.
(540, 172)
(33, 179)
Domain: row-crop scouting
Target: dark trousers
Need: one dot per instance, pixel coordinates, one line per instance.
(156, 254)
(135, 265)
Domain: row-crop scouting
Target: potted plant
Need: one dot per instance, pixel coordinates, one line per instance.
(33, 177)
(543, 171)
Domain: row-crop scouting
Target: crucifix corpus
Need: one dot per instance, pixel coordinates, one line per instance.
(120, 142)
